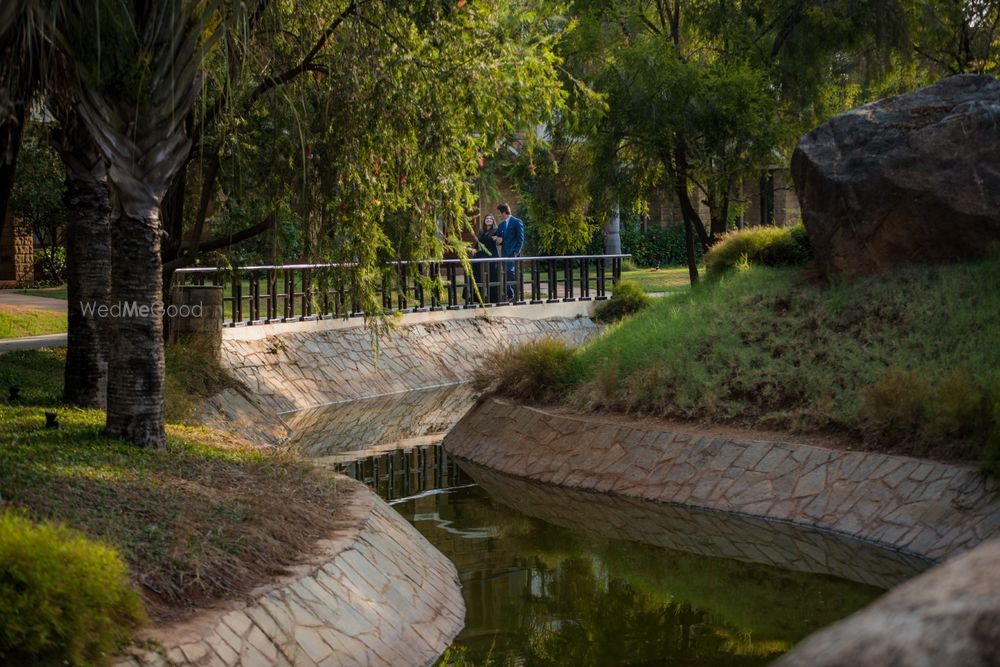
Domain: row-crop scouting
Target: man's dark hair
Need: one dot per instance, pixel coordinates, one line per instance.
(503, 208)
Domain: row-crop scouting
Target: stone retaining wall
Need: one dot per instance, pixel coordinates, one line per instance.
(305, 369)
(378, 594)
(922, 507)
(702, 532)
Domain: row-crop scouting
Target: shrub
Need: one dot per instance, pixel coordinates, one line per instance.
(955, 415)
(627, 298)
(64, 599)
(536, 371)
(656, 247)
(893, 408)
(991, 457)
(767, 246)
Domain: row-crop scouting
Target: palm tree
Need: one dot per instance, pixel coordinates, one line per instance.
(133, 97)
(87, 200)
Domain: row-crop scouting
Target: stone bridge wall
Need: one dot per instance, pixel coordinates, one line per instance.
(304, 369)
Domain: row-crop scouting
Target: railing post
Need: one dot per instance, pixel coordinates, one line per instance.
(434, 269)
(536, 286)
(616, 267)
(601, 289)
(553, 296)
(355, 296)
(289, 296)
(237, 298)
(584, 279)
(451, 271)
(418, 289)
(272, 295)
(469, 289)
(568, 280)
(306, 294)
(519, 283)
(254, 298)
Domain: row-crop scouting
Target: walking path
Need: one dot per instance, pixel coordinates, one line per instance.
(32, 342)
(16, 298)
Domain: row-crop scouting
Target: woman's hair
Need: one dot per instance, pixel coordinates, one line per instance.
(488, 217)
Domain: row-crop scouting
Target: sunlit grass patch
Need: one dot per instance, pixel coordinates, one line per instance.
(17, 321)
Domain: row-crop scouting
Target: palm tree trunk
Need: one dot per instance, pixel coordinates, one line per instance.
(135, 384)
(88, 278)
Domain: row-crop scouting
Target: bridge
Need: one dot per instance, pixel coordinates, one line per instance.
(266, 295)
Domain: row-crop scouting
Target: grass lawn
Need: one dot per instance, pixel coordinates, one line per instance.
(48, 292)
(16, 321)
(210, 517)
(660, 280)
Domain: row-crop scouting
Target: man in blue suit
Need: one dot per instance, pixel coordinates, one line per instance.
(511, 234)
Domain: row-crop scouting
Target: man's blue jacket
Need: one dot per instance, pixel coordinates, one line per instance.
(512, 231)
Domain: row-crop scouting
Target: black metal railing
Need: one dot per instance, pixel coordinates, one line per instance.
(299, 292)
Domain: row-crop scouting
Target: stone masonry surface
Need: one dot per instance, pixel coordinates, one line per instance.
(929, 509)
(379, 594)
(297, 370)
(701, 532)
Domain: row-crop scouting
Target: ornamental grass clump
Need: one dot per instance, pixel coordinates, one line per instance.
(64, 599)
(953, 416)
(535, 372)
(627, 299)
(759, 246)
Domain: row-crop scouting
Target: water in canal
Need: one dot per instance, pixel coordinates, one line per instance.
(553, 576)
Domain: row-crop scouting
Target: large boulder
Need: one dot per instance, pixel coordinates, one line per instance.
(912, 178)
(947, 617)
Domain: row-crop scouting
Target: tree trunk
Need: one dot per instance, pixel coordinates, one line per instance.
(88, 269)
(135, 384)
(679, 168)
(692, 259)
(612, 233)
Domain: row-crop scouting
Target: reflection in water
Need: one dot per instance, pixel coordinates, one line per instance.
(559, 577)
(351, 430)
(541, 594)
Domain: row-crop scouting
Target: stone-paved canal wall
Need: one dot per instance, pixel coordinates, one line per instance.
(304, 369)
(701, 532)
(378, 594)
(921, 507)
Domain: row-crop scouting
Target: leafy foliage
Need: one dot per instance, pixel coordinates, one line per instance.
(764, 246)
(655, 247)
(37, 200)
(64, 599)
(628, 298)
(372, 145)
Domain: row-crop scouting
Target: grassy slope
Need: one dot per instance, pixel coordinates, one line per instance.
(760, 348)
(209, 517)
(16, 321)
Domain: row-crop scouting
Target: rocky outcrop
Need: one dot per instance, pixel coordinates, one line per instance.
(947, 617)
(912, 178)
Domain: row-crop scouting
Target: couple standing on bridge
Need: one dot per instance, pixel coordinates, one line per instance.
(505, 240)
